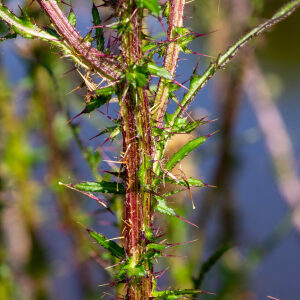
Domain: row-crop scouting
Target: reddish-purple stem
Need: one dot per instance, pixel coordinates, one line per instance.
(106, 66)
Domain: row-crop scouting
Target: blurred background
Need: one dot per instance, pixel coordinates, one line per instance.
(253, 214)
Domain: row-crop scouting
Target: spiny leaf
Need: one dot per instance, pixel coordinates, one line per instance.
(149, 234)
(72, 18)
(130, 269)
(185, 38)
(152, 5)
(99, 31)
(153, 251)
(137, 76)
(162, 207)
(105, 91)
(86, 193)
(176, 294)
(114, 249)
(149, 46)
(191, 181)
(193, 125)
(138, 271)
(115, 133)
(159, 71)
(106, 130)
(181, 125)
(101, 187)
(93, 104)
(184, 151)
(210, 262)
(88, 38)
(157, 247)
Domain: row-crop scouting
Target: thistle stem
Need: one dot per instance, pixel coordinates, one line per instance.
(107, 67)
(137, 144)
(171, 58)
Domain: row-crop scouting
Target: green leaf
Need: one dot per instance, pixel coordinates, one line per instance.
(88, 38)
(137, 76)
(95, 103)
(181, 124)
(115, 133)
(149, 234)
(184, 151)
(149, 46)
(88, 194)
(152, 5)
(210, 262)
(138, 271)
(101, 187)
(193, 125)
(159, 71)
(107, 130)
(185, 38)
(176, 294)
(130, 269)
(105, 91)
(72, 18)
(191, 182)
(157, 247)
(114, 249)
(99, 31)
(162, 207)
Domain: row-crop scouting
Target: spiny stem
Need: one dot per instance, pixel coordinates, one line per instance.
(171, 58)
(107, 67)
(137, 143)
(71, 42)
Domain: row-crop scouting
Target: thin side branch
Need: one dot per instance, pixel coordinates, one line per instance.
(224, 59)
(71, 42)
(107, 67)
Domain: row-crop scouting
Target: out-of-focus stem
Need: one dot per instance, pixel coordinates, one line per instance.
(276, 137)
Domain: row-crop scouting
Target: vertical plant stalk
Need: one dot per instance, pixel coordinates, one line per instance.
(137, 146)
(136, 266)
(170, 60)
